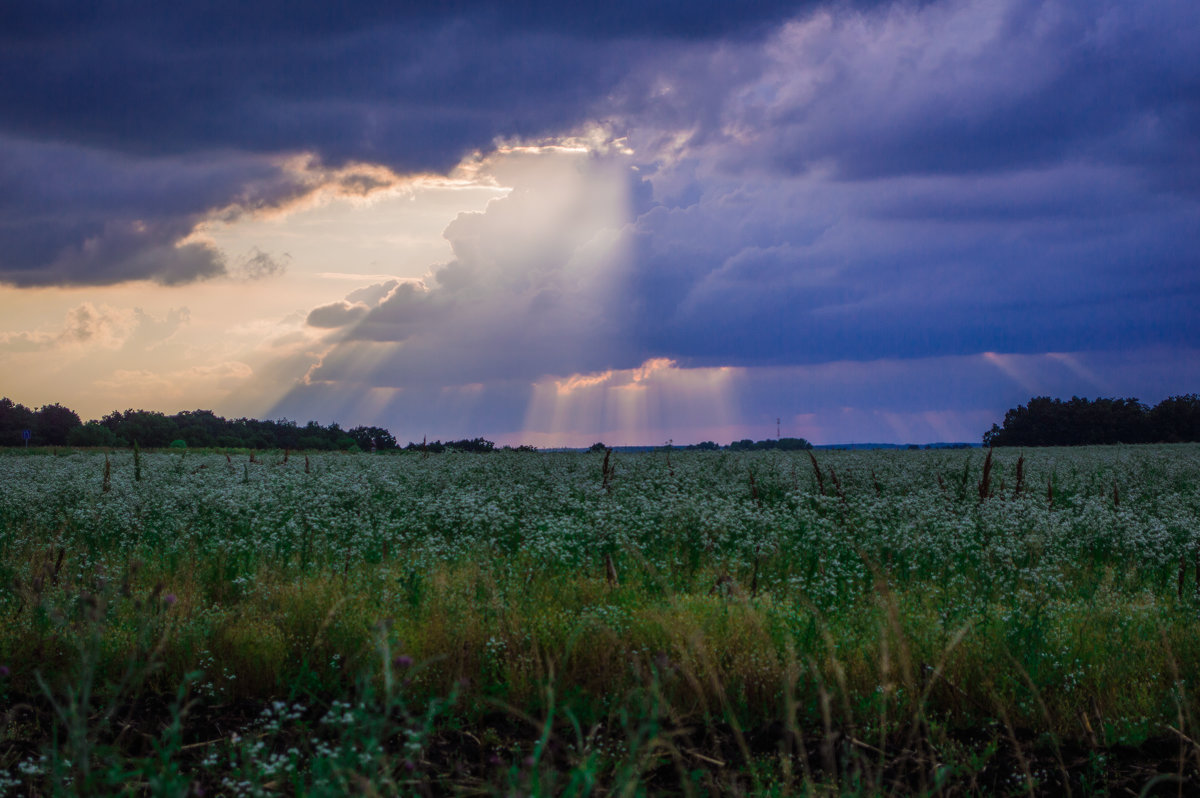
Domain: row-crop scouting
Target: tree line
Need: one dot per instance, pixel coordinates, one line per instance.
(1082, 422)
(56, 425)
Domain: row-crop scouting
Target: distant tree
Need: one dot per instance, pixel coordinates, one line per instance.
(476, 445)
(147, 427)
(1076, 422)
(14, 419)
(200, 427)
(597, 447)
(1176, 419)
(786, 444)
(287, 434)
(56, 425)
(92, 433)
(364, 435)
(53, 424)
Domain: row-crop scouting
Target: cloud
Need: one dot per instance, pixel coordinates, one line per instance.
(131, 128)
(259, 265)
(105, 176)
(770, 190)
(91, 326)
(949, 88)
(918, 180)
(81, 216)
(771, 223)
(411, 85)
(26, 341)
(529, 291)
(336, 314)
(105, 327)
(357, 304)
(771, 270)
(373, 294)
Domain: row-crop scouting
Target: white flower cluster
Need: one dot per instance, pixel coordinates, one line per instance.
(916, 515)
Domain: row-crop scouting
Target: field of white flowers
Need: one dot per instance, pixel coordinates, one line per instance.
(1045, 592)
(916, 516)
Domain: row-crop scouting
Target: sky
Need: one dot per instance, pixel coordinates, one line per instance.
(557, 223)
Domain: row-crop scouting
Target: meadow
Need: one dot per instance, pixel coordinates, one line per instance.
(938, 622)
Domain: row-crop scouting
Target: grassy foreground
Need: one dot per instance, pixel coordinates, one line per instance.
(695, 623)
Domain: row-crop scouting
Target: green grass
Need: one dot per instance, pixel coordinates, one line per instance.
(401, 624)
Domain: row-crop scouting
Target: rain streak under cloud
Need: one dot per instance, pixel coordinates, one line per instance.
(881, 221)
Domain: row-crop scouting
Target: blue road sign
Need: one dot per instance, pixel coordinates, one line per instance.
(26, 435)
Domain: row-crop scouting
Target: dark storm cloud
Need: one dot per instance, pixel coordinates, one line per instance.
(919, 181)
(945, 88)
(74, 215)
(730, 261)
(409, 84)
(1037, 85)
(788, 271)
(821, 180)
(859, 206)
(126, 90)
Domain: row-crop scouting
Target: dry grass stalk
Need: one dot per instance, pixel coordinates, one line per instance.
(1196, 558)
(610, 571)
(107, 485)
(724, 586)
(817, 471)
(837, 485)
(985, 482)
(1020, 476)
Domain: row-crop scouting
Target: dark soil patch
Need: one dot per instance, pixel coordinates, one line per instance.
(496, 750)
